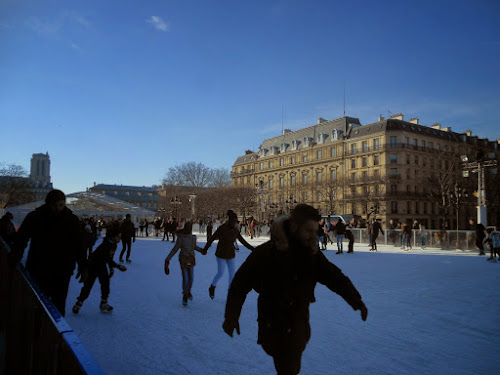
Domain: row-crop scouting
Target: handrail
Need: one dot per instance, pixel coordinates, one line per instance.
(37, 339)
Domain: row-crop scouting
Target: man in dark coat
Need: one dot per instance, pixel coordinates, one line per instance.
(284, 271)
(7, 228)
(480, 235)
(128, 233)
(57, 243)
(376, 228)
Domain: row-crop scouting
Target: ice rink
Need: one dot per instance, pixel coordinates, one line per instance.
(430, 312)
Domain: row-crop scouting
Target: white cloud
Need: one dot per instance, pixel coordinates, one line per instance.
(158, 23)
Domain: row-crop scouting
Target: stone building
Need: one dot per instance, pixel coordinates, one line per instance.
(389, 169)
(40, 175)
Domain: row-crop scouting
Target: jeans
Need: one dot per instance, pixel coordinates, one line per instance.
(422, 241)
(187, 279)
(340, 239)
(127, 245)
(220, 269)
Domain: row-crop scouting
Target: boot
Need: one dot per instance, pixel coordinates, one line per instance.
(184, 299)
(190, 296)
(77, 307)
(105, 308)
(211, 291)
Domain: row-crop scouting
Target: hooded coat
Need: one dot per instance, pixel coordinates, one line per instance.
(285, 281)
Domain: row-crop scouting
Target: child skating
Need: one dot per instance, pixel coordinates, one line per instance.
(97, 268)
(186, 242)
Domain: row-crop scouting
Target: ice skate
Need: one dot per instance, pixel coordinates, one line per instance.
(129, 261)
(121, 260)
(184, 299)
(211, 291)
(105, 308)
(77, 307)
(190, 296)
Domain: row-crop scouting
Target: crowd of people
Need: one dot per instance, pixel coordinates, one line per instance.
(283, 271)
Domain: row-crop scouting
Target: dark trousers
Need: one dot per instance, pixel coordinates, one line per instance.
(99, 271)
(479, 244)
(165, 234)
(373, 241)
(187, 279)
(351, 245)
(127, 245)
(55, 287)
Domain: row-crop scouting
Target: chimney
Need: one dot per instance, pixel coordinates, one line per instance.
(468, 133)
(286, 131)
(436, 126)
(321, 119)
(414, 120)
(399, 116)
(248, 152)
(380, 118)
(446, 129)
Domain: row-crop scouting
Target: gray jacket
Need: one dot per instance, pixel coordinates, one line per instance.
(187, 244)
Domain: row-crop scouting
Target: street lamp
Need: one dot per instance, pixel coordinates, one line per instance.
(290, 204)
(192, 198)
(175, 202)
(479, 167)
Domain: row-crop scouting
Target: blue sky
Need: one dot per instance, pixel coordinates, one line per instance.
(119, 91)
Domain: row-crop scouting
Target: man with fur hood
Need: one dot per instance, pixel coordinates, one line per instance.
(284, 271)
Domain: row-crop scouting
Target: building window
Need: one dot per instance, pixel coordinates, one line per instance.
(365, 146)
(408, 207)
(407, 141)
(304, 158)
(416, 159)
(319, 197)
(394, 158)
(394, 188)
(422, 144)
(292, 180)
(417, 207)
(270, 164)
(282, 181)
(431, 146)
(425, 208)
(415, 142)
(393, 141)
(353, 176)
(376, 160)
(304, 179)
(365, 161)
(353, 163)
(319, 177)
(408, 174)
(333, 152)
(270, 183)
(376, 173)
(394, 171)
(334, 174)
(282, 162)
(376, 144)
(261, 166)
(408, 188)
(318, 154)
(394, 207)
(365, 175)
(354, 149)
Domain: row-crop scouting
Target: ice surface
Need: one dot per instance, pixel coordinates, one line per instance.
(428, 314)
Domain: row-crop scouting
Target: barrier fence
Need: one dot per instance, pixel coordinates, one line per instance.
(34, 337)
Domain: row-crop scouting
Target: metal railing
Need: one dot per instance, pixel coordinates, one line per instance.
(34, 337)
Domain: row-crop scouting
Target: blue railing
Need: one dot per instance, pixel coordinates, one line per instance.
(34, 337)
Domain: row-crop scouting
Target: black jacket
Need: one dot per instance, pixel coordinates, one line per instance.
(7, 229)
(104, 254)
(285, 282)
(340, 227)
(127, 229)
(57, 242)
(226, 236)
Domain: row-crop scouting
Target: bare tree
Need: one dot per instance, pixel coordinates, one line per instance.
(15, 186)
(220, 178)
(190, 174)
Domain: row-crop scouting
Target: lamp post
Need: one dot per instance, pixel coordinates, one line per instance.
(479, 167)
(192, 198)
(175, 202)
(290, 204)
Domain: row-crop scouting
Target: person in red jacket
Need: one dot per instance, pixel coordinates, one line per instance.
(284, 272)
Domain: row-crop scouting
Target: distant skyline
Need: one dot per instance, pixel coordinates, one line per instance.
(118, 92)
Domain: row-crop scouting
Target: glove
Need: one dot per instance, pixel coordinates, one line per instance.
(121, 268)
(364, 311)
(230, 325)
(83, 273)
(167, 263)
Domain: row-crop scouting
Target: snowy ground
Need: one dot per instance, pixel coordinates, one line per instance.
(428, 314)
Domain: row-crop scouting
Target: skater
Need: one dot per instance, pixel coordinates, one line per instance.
(57, 243)
(492, 240)
(340, 233)
(128, 235)
(186, 242)
(284, 272)
(479, 228)
(225, 253)
(210, 228)
(97, 262)
(350, 237)
(7, 229)
(376, 229)
(421, 234)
